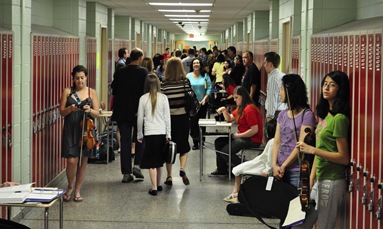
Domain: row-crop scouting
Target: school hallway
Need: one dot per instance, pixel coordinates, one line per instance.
(111, 204)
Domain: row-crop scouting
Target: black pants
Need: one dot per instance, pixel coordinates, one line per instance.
(194, 127)
(126, 147)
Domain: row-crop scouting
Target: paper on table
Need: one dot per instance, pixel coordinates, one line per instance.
(17, 188)
(206, 122)
(40, 195)
(295, 215)
(13, 197)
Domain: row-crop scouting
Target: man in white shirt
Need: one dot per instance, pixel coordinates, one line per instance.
(273, 104)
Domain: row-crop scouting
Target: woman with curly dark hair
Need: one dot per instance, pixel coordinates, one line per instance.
(331, 151)
(201, 86)
(291, 123)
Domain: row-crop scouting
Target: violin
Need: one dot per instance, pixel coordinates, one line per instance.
(87, 138)
(305, 173)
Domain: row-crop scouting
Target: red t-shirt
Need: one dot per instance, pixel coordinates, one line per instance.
(250, 117)
(230, 89)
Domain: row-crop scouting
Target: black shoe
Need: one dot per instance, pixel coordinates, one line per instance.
(153, 192)
(127, 178)
(217, 173)
(195, 147)
(159, 188)
(137, 174)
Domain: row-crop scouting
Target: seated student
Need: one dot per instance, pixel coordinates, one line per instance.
(249, 135)
(260, 165)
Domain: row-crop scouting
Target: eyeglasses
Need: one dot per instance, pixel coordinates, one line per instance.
(330, 85)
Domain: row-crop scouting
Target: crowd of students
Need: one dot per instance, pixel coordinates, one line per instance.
(149, 101)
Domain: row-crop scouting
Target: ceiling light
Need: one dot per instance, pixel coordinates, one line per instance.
(182, 15)
(178, 4)
(189, 19)
(185, 11)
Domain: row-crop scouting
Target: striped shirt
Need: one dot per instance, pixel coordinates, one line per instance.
(273, 103)
(175, 91)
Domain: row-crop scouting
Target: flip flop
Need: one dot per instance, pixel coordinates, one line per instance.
(232, 198)
(78, 199)
(67, 197)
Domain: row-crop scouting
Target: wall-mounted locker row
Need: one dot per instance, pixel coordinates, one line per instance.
(359, 55)
(53, 59)
(6, 52)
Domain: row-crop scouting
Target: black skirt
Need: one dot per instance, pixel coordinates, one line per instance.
(154, 152)
(180, 132)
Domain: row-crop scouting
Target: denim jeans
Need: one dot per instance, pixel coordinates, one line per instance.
(237, 145)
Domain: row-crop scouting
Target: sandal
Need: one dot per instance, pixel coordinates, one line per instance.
(68, 196)
(78, 199)
(185, 179)
(168, 181)
(232, 198)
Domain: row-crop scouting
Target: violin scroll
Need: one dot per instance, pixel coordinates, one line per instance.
(310, 137)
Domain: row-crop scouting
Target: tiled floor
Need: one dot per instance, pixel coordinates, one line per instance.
(111, 204)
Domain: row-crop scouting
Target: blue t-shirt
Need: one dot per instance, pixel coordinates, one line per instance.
(201, 86)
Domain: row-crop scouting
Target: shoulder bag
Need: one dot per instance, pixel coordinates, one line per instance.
(192, 105)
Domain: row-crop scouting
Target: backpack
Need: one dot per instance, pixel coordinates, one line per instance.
(261, 203)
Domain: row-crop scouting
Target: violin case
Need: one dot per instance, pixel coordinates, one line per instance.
(256, 201)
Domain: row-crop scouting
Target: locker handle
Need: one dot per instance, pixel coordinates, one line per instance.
(9, 140)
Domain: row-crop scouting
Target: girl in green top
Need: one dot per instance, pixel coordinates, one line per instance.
(331, 152)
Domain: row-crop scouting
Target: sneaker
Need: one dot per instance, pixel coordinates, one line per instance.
(217, 173)
(195, 147)
(137, 174)
(127, 178)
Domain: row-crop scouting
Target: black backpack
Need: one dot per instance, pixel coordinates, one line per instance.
(257, 202)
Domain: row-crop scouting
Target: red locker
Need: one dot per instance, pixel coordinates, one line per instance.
(378, 123)
(330, 54)
(335, 53)
(345, 55)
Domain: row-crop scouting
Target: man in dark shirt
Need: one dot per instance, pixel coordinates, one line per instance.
(252, 78)
(128, 87)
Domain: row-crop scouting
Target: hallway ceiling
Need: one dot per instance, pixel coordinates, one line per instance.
(222, 15)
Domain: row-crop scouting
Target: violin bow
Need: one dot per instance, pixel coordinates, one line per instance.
(295, 127)
(303, 186)
(82, 137)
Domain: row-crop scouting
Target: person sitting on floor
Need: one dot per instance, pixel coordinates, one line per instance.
(249, 135)
(260, 165)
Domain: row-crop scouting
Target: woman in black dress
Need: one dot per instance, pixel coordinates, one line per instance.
(76, 102)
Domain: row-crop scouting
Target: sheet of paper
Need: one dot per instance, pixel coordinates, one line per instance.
(295, 215)
(17, 188)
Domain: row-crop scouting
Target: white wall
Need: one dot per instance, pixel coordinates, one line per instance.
(42, 12)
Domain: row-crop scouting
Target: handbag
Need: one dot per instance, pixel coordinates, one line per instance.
(192, 104)
(170, 152)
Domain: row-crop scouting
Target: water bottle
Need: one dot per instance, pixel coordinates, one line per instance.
(97, 150)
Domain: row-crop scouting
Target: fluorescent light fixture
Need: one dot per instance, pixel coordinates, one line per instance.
(192, 22)
(178, 4)
(185, 11)
(189, 19)
(194, 16)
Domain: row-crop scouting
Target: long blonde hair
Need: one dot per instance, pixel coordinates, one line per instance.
(152, 86)
(174, 70)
